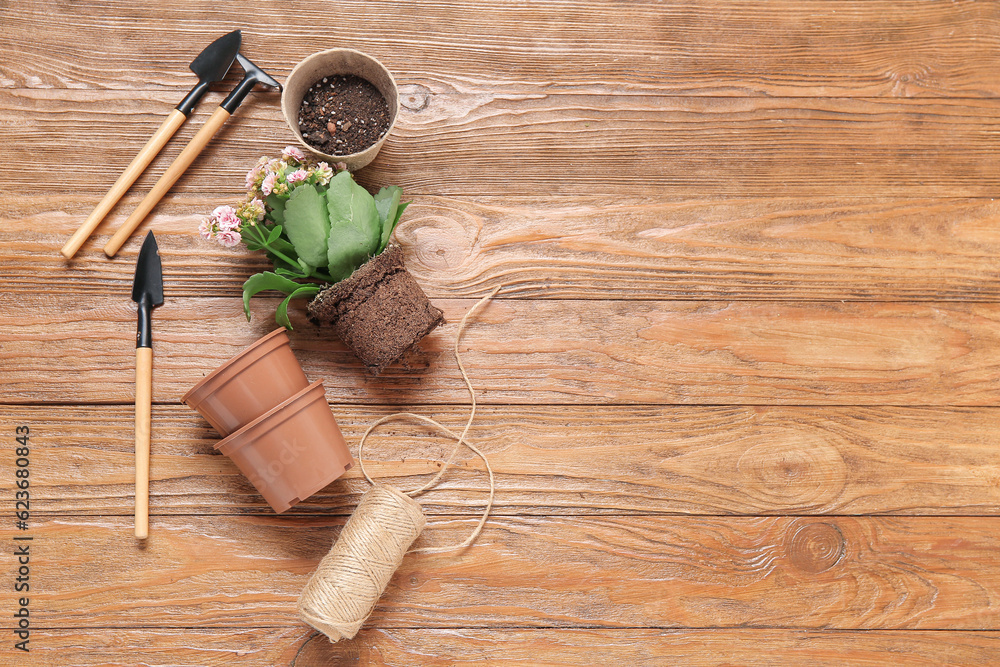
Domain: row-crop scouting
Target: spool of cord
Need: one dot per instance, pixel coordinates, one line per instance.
(349, 581)
(351, 578)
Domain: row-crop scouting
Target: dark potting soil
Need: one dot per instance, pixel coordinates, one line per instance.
(379, 311)
(343, 114)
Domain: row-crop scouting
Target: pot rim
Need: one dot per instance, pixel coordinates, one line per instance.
(234, 365)
(290, 406)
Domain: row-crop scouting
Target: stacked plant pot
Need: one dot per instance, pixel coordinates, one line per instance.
(275, 425)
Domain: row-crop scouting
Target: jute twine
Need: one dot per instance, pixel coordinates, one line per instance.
(343, 592)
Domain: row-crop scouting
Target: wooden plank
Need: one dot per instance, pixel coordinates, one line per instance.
(302, 647)
(574, 247)
(784, 47)
(495, 144)
(707, 648)
(668, 571)
(122, 647)
(550, 460)
(57, 349)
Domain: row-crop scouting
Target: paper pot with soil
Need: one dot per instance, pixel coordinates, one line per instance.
(329, 240)
(341, 104)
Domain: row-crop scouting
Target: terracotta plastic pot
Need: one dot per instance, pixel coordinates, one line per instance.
(293, 450)
(332, 62)
(248, 385)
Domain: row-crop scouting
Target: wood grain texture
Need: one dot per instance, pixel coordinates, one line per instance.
(740, 389)
(562, 144)
(303, 647)
(187, 647)
(55, 349)
(576, 247)
(552, 460)
(787, 47)
(538, 648)
(673, 571)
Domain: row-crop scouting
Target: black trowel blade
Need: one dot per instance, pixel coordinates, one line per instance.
(148, 280)
(214, 62)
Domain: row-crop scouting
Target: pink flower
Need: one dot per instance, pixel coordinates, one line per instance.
(252, 176)
(256, 208)
(226, 218)
(229, 238)
(206, 229)
(269, 182)
(294, 153)
(298, 175)
(324, 173)
(341, 166)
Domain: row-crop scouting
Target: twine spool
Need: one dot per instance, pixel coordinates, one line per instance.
(353, 575)
(351, 578)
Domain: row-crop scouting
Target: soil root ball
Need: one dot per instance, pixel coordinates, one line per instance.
(379, 311)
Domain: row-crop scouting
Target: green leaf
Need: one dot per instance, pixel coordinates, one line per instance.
(355, 228)
(277, 206)
(389, 229)
(306, 224)
(282, 271)
(350, 205)
(386, 202)
(281, 315)
(264, 281)
(348, 250)
(274, 235)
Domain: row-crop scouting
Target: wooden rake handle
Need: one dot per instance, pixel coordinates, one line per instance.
(174, 171)
(143, 402)
(124, 182)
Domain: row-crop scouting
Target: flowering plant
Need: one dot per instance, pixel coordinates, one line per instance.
(313, 222)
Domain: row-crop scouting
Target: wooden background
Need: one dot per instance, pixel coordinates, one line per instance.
(741, 389)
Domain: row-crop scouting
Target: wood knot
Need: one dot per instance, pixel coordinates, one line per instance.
(792, 469)
(816, 547)
(414, 97)
(439, 243)
(909, 78)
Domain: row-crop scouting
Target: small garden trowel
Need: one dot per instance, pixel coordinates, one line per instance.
(147, 291)
(211, 65)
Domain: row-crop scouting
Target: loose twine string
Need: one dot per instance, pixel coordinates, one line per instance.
(343, 592)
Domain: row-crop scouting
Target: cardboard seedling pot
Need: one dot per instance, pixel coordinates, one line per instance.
(379, 311)
(248, 385)
(330, 63)
(293, 450)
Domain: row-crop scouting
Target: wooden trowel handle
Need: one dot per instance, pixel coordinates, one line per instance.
(168, 179)
(143, 400)
(124, 182)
